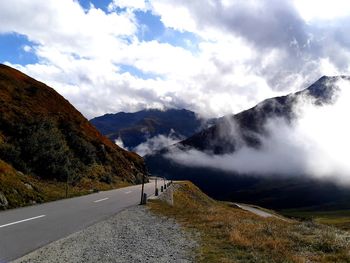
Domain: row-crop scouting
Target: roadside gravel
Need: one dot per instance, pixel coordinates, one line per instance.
(133, 235)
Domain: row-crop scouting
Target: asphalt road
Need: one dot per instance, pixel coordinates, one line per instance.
(255, 210)
(26, 229)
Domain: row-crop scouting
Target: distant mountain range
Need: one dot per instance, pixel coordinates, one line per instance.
(43, 138)
(136, 128)
(273, 192)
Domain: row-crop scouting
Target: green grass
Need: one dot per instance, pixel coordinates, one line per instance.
(336, 218)
(230, 234)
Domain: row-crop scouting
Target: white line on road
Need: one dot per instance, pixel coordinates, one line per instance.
(128, 192)
(100, 200)
(21, 221)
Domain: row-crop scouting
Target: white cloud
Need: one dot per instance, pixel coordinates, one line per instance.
(27, 48)
(131, 4)
(156, 143)
(325, 9)
(245, 51)
(174, 16)
(316, 144)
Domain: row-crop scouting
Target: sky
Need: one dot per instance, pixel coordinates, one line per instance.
(214, 57)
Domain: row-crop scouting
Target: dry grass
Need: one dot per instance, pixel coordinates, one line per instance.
(229, 234)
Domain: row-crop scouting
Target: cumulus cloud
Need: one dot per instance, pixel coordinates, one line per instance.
(131, 4)
(237, 53)
(315, 144)
(288, 49)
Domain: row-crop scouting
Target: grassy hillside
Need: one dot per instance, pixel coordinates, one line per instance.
(43, 136)
(229, 234)
(336, 218)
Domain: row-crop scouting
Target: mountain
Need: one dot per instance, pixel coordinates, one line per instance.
(43, 138)
(136, 128)
(249, 128)
(218, 139)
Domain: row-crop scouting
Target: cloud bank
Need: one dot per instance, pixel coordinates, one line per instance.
(315, 144)
(221, 57)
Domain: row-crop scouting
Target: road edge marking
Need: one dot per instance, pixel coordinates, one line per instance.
(21, 221)
(100, 200)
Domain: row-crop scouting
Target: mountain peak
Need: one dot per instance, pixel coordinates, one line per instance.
(323, 89)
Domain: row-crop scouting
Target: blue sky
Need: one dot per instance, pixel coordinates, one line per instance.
(12, 49)
(12, 44)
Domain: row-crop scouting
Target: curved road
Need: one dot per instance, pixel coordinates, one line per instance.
(255, 210)
(26, 229)
(260, 212)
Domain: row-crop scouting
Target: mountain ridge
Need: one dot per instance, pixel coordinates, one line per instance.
(253, 119)
(136, 128)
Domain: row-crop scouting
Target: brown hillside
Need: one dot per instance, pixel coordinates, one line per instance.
(43, 135)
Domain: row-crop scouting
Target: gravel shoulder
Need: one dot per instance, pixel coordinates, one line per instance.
(133, 235)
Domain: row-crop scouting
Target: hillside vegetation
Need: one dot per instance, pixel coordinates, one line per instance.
(42, 136)
(338, 218)
(229, 234)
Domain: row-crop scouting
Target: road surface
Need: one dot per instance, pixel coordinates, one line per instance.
(255, 211)
(26, 229)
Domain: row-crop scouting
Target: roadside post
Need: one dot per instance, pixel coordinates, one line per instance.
(142, 189)
(156, 188)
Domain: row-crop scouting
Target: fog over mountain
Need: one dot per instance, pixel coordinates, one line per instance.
(287, 151)
(150, 130)
(314, 143)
